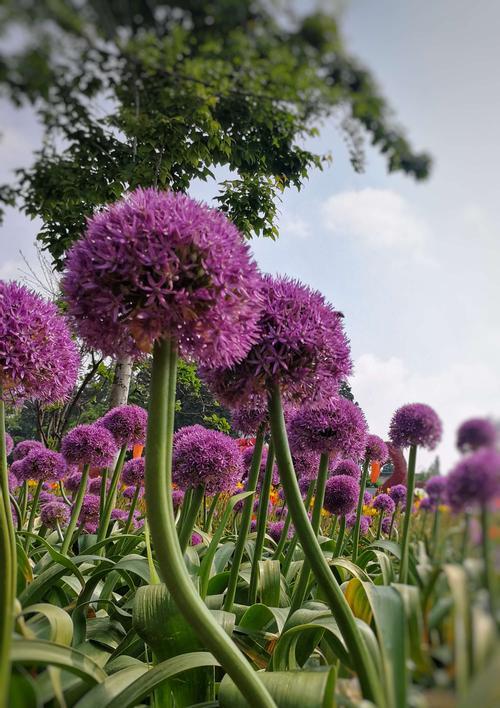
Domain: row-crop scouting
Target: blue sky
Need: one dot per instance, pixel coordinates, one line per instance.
(414, 267)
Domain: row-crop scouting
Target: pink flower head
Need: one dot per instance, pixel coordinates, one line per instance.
(159, 264)
(89, 445)
(436, 489)
(384, 504)
(302, 347)
(398, 494)
(127, 424)
(53, 513)
(38, 359)
(415, 424)
(475, 480)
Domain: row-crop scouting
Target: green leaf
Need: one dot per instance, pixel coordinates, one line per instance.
(462, 622)
(61, 626)
(102, 694)
(40, 653)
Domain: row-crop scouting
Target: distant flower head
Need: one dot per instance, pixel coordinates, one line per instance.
(376, 449)
(341, 495)
(247, 461)
(398, 494)
(43, 465)
(9, 444)
(253, 525)
(476, 433)
(95, 485)
(89, 445)
(46, 497)
(415, 424)
(38, 359)
(302, 346)
(336, 426)
(177, 498)
(119, 515)
(249, 416)
(426, 504)
(133, 472)
(129, 492)
(208, 458)
(73, 481)
(386, 524)
(367, 498)
(53, 513)
(436, 488)
(384, 504)
(364, 523)
(349, 468)
(13, 481)
(275, 530)
(159, 264)
(475, 480)
(89, 513)
(24, 447)
(196, 538)
(305, 464)
(127, 424)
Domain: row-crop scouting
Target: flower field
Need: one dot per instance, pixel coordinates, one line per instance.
(296, 561)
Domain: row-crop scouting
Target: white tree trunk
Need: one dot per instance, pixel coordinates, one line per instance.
(121, 382)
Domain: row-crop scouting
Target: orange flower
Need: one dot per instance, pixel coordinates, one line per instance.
(375, 471)
(137, 451)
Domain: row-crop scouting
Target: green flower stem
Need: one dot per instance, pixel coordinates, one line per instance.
(161, 520)
(186, 530)
(186, 503)
(211, 512)
(102, 495)
(465, 536)
(261, 524)
(340, 538)
(133, 505)
(362, 660)
(111, 496)
(293, 543)
(379, 525)
(300, 590)
(489, 569)
(63, 493)
(359, 511)
(283, 538)
(23, 502)
(246, 518)
(8, 565)
(436, 529)
(393, 519)
(14, 503)
(32, 516)
(405, 541)
(77, 507)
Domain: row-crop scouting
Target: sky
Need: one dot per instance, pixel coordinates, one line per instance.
(414, 267)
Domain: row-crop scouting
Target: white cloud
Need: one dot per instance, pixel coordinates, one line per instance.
(294, 226)
(10, 270)
(381, 218)
(456, 393)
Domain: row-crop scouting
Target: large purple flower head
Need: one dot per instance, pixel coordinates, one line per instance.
(348, 468)
(415, 424)
(206, 458)
(9, 444)
(133, 472)
(250, 415)
(159, 264)
(398, 494)
(127, 424)
(24, 447)
(364, 523)
(476, 433)
(475, 480)
(247, 461)
(384, 504)
(38, 359)
(302, 346)
(89, 445)
(436, 488)
(43, 465)
(336, 426)
(54, 513)
(341, 495)
(376, 449)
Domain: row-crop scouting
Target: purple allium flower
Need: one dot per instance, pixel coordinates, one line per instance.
(415, 424)
(95, 485)
(364, 522)
(38, 359)
(133, 472)
(253, 525)
(341, 495)
(336, 426)
(43, 465)
(119, 515)
(127, 424)
(275, 530)
(158, 264)
(206, 457)
(426, 504)
(89, 445)
(302, 347)
(9, 444)
(367, 497)
(73, 481)
(24, 447)
(398, 494)
(376, 449)
(436, 488)
(90, 509)
(249, 416)
(177, 498)
(476, 433)
(13, 481)
(386, 524)
(384, 504)
(46, 498)
(53, 513)
(129, 492)
(196, 538)
(305, 464)
(348, 468)
(475, 480)
(247, 461)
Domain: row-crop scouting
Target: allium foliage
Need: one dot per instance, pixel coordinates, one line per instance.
(416, 424)
(159, 264)
(38, 359)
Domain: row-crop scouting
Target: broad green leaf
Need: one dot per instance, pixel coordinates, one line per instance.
(103, 693)
(457, 581)
(484, 691)
(61, 625)
(40, 653)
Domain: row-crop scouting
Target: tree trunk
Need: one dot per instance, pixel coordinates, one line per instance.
(121, 382)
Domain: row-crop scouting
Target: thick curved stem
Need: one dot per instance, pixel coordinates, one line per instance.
(405, 541)
(32, 516)
(246, 518)
(265, 491)
(77, 507)
(362, 660)
(359, 511)
(111, 495)
(340, 538)
(186, 531)
(293, 543)
(161, 520)
(211, 512)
